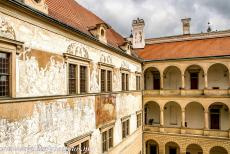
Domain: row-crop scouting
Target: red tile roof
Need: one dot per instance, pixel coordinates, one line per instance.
(73, 14)
(186, 49)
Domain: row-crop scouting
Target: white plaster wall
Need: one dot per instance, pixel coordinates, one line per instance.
(153, 112)
(149, 80)
(32, 81)
(172, 118)
(218, 76)
(172, 79)
(194, 115)
(224, 119)
(51, 125)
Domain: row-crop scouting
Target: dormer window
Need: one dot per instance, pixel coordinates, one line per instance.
(38, 5)
(37, 1)
(99, 31)
(102, 32)
(126, 47)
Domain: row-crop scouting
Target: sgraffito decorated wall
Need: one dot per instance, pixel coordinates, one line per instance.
(41, 72)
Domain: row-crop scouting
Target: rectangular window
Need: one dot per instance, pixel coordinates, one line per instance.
(125, 81)
(125, 128)
(138, 83)
(139, 120)
(77, 79)
(83, 79)
(80, 148)
(106, 80)
(4, 74)
(72, 79)
(107, 140)
(103, 80)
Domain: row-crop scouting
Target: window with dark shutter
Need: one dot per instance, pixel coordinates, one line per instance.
(123, 81)
(4, 74)
(127, 82)
(103, 81)
(72, 79)
(83, 79)
(138, 83)
(107, 140)
(109, 81)
(125, 128)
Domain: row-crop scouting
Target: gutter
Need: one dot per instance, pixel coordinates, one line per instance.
(192, 58)
(63, 25)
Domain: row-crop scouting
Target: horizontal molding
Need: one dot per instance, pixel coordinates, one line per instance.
(54, 97)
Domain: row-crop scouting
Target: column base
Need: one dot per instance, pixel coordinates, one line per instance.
(183, 130)
(206, 132)
(162, 129)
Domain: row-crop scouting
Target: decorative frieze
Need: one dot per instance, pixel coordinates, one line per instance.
(6, 30)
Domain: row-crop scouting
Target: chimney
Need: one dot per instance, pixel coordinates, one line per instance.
(138, 39)
(186, 25)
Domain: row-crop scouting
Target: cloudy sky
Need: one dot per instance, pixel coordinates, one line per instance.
(162, 17)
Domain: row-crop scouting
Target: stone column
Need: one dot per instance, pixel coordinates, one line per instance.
(183, 118)
(162, 117)
(162, 81)
(206, 119)
(205, 80)
(183, 81)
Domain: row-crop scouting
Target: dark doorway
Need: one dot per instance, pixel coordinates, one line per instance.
(194, 80)
(153, 149)
(172, 150)
(156, 80)
(215, 118)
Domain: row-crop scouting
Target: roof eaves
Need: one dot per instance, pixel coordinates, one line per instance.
(47, 17)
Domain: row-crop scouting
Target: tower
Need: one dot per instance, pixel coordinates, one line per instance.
(138, 33)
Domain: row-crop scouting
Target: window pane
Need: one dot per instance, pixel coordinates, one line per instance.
(109, 80)
(4, 74)
(75, 150)
(110, 137)
(83, 79)
(72, 79)
(104, 141)
(127, 82)
(85, 147)
(103, 73)
(123, 81)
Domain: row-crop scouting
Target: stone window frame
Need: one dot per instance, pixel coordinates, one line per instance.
(105, 129)
(78, 61)
(77, 142)
(138, 84)
(125, 122)
(13, 48)
(139, 121)
(106, 67)
(127, 73)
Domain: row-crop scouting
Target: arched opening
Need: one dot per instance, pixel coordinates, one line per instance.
(194, 149)
(152, 79)
(152, 113)
(194, 115)
(218, 77)
(102, 32)
(172, 78)
(194, 77)
(172, 148)
(219, 116)
(218, 150)
(152, 147)
(172, 114)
